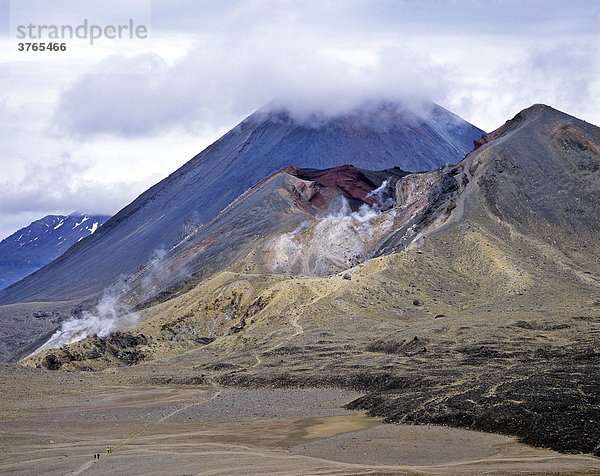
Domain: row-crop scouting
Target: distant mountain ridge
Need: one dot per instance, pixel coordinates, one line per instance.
(35, 245)
(376, 136)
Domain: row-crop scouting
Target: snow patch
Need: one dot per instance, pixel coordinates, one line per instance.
(85, 218)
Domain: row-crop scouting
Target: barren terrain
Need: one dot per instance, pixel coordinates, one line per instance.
(54, 422)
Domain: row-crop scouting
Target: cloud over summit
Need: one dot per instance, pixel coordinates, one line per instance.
(216, 84)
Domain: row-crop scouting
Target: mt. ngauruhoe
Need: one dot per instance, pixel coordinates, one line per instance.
(374, 137)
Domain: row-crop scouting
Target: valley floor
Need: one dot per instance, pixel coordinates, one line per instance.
(54, 422)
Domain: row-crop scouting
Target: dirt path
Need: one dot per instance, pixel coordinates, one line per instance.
(56, 428)
(146, 426)
(294, 322)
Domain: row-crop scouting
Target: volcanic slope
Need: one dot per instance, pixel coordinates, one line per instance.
(480, 307)
(284, 203)
(268, 227)
(375, 136)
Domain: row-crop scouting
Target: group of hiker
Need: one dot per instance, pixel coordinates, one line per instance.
(108, 450)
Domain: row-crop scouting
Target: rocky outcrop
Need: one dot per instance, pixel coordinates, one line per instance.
(413, 187)
(119, 348)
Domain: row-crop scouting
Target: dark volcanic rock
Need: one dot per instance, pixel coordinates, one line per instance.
(393, 346)
(51, 362)
(119, 348)
(553, 408)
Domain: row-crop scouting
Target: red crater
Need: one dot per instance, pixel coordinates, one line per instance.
(353, 183)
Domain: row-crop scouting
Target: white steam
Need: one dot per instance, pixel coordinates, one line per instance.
(156, 274)
(109, 315)
(112, 311)
(339, 240)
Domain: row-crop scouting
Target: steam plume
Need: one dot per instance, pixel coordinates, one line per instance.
(109, 315)
(336, 241)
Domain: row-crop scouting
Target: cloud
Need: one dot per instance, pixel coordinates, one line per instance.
(144, 95)
(327, 56)
(56, 184)
(122, 96)
(381, 17)
(563, 74)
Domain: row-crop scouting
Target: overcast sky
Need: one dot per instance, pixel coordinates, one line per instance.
(91, 128)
